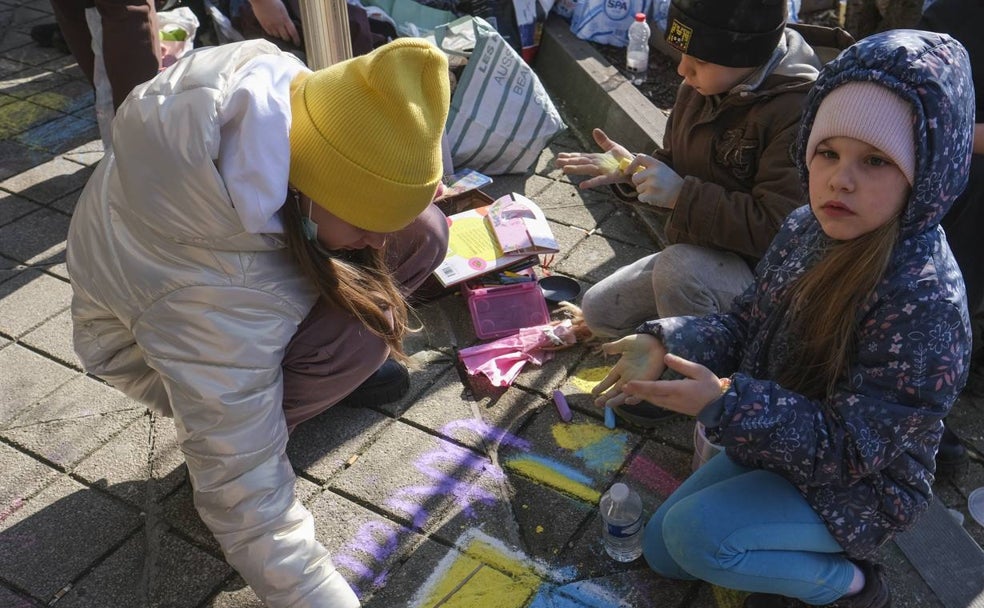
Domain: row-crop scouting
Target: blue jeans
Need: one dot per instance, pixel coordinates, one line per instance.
(746, 529)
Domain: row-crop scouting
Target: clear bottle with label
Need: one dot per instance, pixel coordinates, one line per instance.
(637, 52)
(621, 523)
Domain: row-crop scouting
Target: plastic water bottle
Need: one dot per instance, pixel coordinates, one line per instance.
(637, 53)
(621, 523)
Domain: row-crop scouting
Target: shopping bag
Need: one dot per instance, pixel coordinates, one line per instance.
(501, 117)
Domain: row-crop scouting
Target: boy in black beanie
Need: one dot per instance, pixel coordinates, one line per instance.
(724, 174)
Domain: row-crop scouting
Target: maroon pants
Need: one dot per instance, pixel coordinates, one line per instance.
(130, 44)
(332, 353)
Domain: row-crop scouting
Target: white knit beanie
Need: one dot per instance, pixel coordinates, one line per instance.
(871, 113)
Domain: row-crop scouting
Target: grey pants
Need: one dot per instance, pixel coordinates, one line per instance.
(678, 281)
(332, 353)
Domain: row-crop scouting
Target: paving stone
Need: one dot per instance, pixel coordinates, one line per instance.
(20, 477)
(68, 97)
(624, 226)
(9, 67)
(30, 298)
(235, 594)
(54, 339)
(425, 367)
(87, 154)
(11, 599)
(29, 81)
(404, 581)
(143, 462)
(16, 157)
(26, 378)
(563, 204)
(19, 46)
(49, 181)
(323, 445)
(179, 575)
(37, 239)
(596, 257)
(73, 421)
(59, 534)
(11, 208)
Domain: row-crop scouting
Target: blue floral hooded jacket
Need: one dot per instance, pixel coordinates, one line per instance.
(863, 457)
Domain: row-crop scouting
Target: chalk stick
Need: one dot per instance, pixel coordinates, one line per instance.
(562, 408)
(609, 417)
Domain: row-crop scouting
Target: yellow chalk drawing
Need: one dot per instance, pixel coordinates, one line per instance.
(587, 378)
(539, 529)
(728, 598)
(576, 436)
(487, 574)
(20, 116)
(547, 476)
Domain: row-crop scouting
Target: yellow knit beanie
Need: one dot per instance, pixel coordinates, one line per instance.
(365, 134)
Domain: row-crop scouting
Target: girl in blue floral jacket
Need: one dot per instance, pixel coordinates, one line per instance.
(827, 381)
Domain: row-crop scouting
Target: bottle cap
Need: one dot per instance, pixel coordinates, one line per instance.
(640, 16)
(619, 492)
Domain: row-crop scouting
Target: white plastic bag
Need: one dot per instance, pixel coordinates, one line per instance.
(606, 21)
(177, 30)
(501, 117)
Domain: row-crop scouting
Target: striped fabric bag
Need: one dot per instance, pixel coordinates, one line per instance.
(501, 117)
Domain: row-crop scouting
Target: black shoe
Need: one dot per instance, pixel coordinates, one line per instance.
(643, 414)
(770, 600)
(387, 384)
(875, 594)
(48, 35)
(952, 459)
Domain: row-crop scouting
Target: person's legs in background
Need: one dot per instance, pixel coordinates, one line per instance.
(130, 43)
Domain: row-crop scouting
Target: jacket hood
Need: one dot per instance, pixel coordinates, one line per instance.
(932, 72)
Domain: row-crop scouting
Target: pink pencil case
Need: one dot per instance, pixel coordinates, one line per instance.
(503, 310)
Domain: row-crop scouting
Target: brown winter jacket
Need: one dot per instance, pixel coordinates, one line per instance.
(735, 151)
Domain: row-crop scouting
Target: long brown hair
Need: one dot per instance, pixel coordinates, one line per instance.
(358, 282)
(823, 306)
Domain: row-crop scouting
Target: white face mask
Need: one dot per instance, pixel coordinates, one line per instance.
(308, 224)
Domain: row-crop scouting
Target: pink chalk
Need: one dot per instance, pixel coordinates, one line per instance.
(562, 407)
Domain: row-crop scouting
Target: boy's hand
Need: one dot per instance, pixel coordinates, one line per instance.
(641, 359)
(689, 395)
(655, 182)
(603, 167)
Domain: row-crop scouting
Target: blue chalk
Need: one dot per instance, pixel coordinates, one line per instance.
(609, 417)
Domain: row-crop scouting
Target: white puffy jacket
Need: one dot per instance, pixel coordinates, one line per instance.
(179, 307)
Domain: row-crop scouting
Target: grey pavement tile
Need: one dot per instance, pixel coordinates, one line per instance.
(596, 257)
(160, 571)
(21, 476)
(15, 157)
(19, 46)
(10, 268)
(73, 421)
(54, 339)
(400, 584)
(9, 67)
(11, 208)
(30, 298)
(624, 226)
(550, 375)
(547, 520)
(323, 445)
(59, 534)
(10, 599)
(29, 81)
(19, 116)
(6, 99)
(37, 239)
(235, 594)
(27, 377)
(87, 154)
(565, 205)
(143, 462)
(48, 181)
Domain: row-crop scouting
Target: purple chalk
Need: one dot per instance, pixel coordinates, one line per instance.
(562, 407)
(609, 417)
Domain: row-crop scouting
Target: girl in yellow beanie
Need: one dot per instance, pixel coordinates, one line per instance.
(240, 261)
